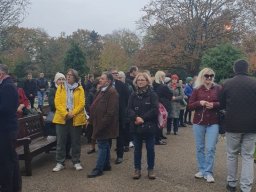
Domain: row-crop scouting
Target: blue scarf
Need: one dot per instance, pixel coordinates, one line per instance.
(70, 95)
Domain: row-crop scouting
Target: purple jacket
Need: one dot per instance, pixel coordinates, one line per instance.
(202, 115)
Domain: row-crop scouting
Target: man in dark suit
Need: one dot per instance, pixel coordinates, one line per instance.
(123, 93)
(238, 98)
(10, 180)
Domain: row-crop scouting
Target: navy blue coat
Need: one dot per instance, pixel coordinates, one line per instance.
(8, 106)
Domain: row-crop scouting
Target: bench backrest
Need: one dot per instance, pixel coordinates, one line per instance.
(31, 126)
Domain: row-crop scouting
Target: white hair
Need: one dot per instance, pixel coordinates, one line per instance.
(200, 78)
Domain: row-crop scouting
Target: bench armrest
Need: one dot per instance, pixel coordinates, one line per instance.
(23, 141)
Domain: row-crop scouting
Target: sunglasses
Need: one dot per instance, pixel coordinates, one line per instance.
(207, 76)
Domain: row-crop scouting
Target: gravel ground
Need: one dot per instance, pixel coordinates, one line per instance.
(175, 169)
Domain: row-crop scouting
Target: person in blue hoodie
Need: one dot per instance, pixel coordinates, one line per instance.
(10, 179)
(188, 92)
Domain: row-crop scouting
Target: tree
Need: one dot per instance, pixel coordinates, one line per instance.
(221, 59)
(113, 56)
(12, 12)
(128, 41)
(184, 29)
(75, 59)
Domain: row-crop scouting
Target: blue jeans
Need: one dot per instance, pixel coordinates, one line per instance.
(244, 143)
(206, 138)
(40, 96)
(103, 154)
(150, 146)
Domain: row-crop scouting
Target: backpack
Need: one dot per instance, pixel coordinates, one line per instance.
(162, 116)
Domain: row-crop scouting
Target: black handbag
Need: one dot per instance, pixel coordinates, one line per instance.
(222, 129)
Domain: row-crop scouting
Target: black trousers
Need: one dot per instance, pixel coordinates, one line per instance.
(10, 178)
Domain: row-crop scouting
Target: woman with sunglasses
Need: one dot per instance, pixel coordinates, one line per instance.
(204, 100)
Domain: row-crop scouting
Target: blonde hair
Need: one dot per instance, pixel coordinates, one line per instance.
(159, 77)
(200, 78)
(145, 75)
(121, 74)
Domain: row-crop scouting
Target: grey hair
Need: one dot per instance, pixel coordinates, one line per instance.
(4, 68)
(75, 74)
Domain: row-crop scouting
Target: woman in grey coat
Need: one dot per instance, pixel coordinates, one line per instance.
(178, 96)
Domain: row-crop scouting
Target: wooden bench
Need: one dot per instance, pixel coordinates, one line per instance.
(31, 140)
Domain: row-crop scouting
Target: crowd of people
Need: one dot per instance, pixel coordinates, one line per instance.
(125, 107)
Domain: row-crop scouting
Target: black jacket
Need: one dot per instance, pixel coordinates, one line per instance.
(145, 106)
(238, 98)
(123, 93)
(30, 87)
(8, 106)
(164, 94)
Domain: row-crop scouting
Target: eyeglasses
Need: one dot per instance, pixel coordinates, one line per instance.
(115, 73)
(68, 74)
(141, 80)
(209, 76)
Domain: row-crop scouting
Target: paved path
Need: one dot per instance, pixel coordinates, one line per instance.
(175, 169)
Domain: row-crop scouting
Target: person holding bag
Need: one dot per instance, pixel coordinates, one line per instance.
(143, 112)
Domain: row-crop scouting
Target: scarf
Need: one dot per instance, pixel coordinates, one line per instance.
(141, 91)
(70, 95)
(174, 86)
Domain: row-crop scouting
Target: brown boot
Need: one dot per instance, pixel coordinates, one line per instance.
(151, 174)
(137, 174)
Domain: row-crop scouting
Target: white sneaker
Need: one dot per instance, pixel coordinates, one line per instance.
(58, 167)
(78, 167)
(131, 145)
(209, 179)
(199, 175)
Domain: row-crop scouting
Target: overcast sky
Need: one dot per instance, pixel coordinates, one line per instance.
(103, 16)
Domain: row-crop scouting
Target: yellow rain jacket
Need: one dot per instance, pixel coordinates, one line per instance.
(60, 101)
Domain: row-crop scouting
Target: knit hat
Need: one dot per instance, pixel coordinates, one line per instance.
(188, 79)
(58, 76)
(241, 66)
(174, 76)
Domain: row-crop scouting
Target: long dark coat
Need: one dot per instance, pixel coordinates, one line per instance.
(104, 114)
(238, 98)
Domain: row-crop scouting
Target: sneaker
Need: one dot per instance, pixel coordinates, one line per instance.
(58, 167)
(199, 175)
(209, 179)
(78, 167)
(131, 145)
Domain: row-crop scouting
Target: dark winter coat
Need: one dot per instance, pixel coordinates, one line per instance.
(238, 98)
(202, 115)
(105, 114)
(164, 95)
(42, 84)
(30, 87)
(123, 93)
(143, 105)
(9, 102)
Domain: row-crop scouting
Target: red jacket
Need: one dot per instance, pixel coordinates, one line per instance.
(22, 100)
(202, 115)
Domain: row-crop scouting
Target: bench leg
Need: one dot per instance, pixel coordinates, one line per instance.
(28, 167)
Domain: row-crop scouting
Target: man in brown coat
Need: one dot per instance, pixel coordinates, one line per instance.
(104, 117)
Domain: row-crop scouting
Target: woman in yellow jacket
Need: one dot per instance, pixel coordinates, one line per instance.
(69, 118)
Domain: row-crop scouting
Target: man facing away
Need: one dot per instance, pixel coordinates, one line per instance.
(238, 98)
(10, 180)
